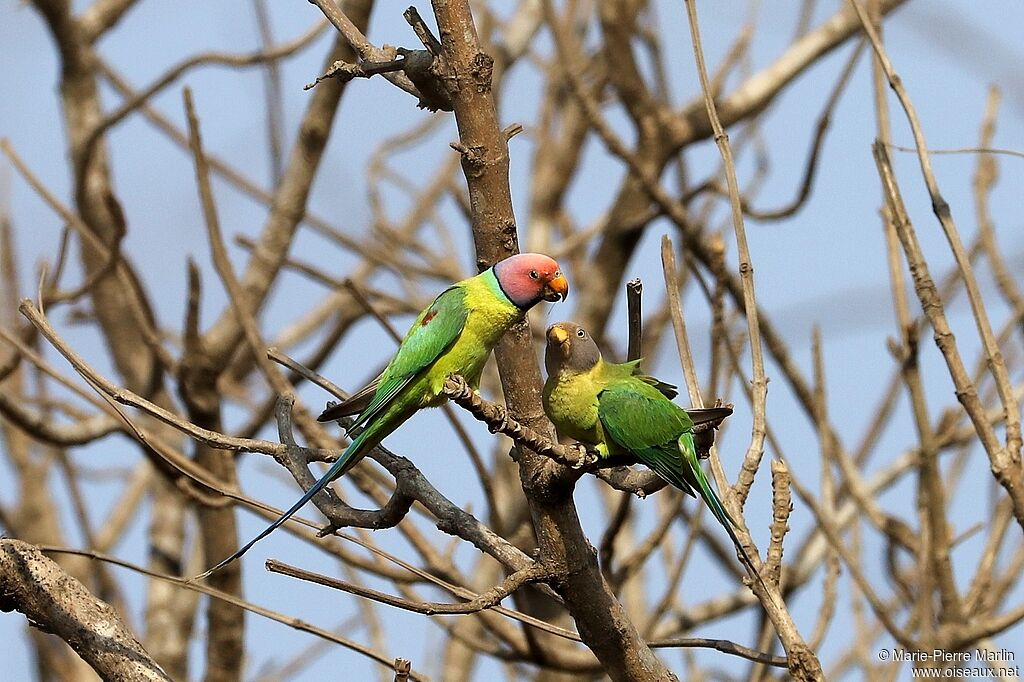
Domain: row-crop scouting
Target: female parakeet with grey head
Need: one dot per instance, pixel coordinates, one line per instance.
(454, 335)
(621, 411)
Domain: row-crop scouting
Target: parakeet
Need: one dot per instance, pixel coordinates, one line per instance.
(454, 335)
(621, 411)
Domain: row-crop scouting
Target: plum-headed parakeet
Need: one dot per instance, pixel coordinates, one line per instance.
(454, 335)
(620, 411)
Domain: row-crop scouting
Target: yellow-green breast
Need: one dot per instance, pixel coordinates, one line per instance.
(491, 314)
(570, 401)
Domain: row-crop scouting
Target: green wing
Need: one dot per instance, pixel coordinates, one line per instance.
(640, 419)
(433, 333)
(638, 416)
(657, 431)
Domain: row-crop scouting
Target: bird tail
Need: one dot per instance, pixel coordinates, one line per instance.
(714, 503)
(703, 415)
(352, 405)
(353, 453)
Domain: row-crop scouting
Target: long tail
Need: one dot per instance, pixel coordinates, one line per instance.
(714, 503)
(353, 453)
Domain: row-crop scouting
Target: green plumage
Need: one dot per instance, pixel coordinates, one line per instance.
(618, 410)
(454, 335)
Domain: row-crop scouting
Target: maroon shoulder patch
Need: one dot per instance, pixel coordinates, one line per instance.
(428, 317)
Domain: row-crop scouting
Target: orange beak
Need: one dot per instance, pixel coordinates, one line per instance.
(556, 288)
(557, 336)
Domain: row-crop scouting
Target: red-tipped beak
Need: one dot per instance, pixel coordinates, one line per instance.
(556, 288)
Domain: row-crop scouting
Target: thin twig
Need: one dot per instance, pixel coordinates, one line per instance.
(485, 600)
(290, 621)
(1002, 460)
(961, 150)
(634, 317)
(1005, 466)
(363, 47)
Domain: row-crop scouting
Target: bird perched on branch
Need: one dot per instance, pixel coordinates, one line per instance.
(454, 335)
(621, 411)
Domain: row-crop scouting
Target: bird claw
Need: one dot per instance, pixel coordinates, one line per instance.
(500, 427)
(329, 529)
(587, 457)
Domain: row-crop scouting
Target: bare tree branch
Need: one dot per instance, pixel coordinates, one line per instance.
(57, 603)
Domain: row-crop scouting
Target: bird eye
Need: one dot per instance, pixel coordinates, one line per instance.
(581, 333)
(534, 274)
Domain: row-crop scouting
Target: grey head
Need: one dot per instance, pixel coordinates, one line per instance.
(570, 349)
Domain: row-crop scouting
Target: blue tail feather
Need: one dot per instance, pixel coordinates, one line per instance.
(343, 464)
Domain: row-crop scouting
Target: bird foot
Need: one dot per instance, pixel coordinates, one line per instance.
(587, 457)
(329, 529)
(499, 427)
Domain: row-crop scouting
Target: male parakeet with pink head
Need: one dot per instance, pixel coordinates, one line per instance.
(454, 335)
(621, 411)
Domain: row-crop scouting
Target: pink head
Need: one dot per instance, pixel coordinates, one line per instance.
(529, 278)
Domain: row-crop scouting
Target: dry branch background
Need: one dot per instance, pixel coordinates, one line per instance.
(161, 248)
